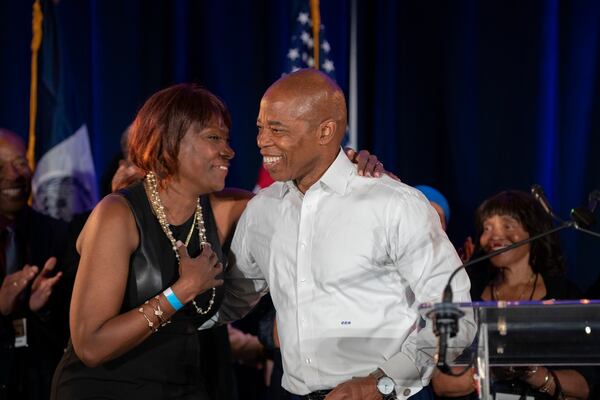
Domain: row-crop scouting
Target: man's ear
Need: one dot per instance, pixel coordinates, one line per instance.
(327, 131)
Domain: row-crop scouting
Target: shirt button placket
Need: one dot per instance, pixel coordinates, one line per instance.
(305, 276)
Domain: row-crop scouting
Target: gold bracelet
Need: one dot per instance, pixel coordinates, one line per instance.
(546, 379)
(159, 312)
(150, 323)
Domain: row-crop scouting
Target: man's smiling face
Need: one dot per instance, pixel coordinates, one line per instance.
(15, 175)
(287, 141)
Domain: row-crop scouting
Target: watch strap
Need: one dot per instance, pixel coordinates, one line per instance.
(378, 374)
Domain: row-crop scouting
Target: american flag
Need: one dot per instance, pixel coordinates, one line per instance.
(301, 50)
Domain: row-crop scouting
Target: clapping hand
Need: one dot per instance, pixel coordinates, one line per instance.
(42, 286)
(13, 285)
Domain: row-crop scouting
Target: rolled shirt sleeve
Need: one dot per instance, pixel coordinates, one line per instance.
(423, 256)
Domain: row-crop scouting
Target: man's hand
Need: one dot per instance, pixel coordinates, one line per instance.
(13, 285)
(42, 286)
(364, 388)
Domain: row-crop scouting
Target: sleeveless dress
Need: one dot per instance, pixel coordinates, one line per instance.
(171, 363)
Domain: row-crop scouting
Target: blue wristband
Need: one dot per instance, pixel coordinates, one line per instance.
(172, 299)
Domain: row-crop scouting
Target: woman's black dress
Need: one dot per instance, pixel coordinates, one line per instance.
(177, 362)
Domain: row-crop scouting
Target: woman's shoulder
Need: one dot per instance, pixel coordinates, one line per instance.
(114, 204)
(560, 287)
(111, 215)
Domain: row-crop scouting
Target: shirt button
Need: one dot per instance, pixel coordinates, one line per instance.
(302, 245)
(406, 392)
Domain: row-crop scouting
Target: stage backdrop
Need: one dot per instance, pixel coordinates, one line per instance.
(468, 96)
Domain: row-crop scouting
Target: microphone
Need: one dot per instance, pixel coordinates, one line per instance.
(538, 194)
(445, 315)
(583, 217)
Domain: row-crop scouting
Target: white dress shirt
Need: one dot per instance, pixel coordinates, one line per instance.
(347, 265)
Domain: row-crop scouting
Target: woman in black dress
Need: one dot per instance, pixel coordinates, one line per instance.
(150, 262)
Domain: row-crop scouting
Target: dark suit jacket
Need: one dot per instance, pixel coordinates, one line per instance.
(38, 238)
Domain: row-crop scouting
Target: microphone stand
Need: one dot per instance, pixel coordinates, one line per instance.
(584, 230)
(445, 315)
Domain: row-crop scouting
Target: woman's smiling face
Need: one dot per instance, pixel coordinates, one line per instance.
(500, 231)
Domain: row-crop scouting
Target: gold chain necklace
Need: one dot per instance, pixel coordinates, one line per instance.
(496, 293)
(159, 210)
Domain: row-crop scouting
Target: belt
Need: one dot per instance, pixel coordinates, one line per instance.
(316, 395)
(320, 395)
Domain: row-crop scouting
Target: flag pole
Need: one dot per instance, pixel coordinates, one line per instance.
(316, 27)
(353, 89)
(36, 40)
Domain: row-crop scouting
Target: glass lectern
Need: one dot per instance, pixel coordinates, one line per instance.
(549, 333)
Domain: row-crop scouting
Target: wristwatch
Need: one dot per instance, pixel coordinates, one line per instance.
(385, 384)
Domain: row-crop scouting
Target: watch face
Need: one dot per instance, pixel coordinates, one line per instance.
(385, 385)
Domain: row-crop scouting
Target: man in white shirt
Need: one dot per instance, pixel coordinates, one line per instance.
(347, 259)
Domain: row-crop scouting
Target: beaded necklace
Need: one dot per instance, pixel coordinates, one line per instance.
(151, 186)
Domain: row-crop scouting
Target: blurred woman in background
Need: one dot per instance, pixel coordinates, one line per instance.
(534, 271)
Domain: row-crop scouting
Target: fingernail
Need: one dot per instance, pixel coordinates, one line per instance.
(368, 174)
(377, 174)
(178, 243)
(360, 173)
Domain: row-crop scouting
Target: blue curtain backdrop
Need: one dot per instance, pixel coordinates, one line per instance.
(468, 96)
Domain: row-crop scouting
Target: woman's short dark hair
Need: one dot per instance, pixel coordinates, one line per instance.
(164, 119)
(545, 255)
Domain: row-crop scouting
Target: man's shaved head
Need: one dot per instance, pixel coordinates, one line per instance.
(316, 98)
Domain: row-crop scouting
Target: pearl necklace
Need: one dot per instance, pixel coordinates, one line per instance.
(159, 210)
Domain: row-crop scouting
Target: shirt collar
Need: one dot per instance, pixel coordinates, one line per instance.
(336, 177)
(338, 174)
